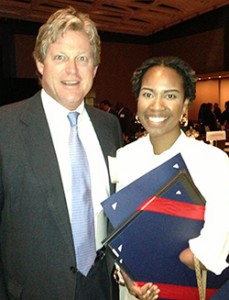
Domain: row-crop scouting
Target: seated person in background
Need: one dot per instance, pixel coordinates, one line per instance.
(164, 88)
(107, 106)
(201, 113)
(126, 118)
(225, 116)
(209, 118)
(217, 112)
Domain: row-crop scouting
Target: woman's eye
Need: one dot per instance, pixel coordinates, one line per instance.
(171, 96)
(147, 95)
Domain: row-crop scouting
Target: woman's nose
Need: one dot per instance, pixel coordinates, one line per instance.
(157, 102)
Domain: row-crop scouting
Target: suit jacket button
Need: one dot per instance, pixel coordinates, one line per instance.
(73, 269)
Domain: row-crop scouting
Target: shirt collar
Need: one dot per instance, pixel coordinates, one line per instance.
(51, 105)
(176, 147)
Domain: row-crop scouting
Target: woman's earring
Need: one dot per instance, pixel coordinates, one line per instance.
(184, 120)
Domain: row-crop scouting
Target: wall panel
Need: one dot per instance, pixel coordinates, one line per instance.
(213, 90)
(204, 51)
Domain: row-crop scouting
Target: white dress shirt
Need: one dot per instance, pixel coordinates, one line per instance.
(59, 126)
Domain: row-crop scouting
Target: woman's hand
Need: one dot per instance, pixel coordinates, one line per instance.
(148, 291)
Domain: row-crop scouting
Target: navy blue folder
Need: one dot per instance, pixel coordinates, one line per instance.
(122, 204)
(148, 243)
(223, 292)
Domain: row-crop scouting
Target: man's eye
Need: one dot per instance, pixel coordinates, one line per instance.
(82, 58)
(59, 57)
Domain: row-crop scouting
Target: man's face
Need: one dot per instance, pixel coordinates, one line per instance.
(161, 103)
(68, 70)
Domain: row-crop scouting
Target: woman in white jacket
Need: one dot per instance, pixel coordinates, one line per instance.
(164, 88)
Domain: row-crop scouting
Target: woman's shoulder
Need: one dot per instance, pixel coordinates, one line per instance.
(140, 145)
(200, 148)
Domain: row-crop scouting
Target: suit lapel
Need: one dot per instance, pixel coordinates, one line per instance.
(41, 155)
(100, 132)
(106, 142)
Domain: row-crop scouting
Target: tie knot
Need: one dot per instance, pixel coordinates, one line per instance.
(73, 117)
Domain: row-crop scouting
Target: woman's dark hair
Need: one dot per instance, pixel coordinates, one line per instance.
(172, 62)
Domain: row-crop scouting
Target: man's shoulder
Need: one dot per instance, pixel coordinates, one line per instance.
(103, 116)
(11, 113)
(19, 105)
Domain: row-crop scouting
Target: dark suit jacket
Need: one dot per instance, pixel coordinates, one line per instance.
(37, 252)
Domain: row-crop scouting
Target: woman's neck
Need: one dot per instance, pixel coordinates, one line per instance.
(163, 143)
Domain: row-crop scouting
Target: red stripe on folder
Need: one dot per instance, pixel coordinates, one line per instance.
(173, 208)
(170, 291)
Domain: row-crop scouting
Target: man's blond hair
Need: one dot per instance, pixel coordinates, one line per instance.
(61, 21)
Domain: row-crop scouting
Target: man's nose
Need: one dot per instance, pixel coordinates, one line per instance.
(71, 66)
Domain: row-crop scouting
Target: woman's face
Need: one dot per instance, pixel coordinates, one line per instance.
(161, 104)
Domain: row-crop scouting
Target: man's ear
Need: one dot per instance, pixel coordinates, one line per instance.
(40, 66)
(95, 71)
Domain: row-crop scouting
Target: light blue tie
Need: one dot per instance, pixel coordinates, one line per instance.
(82, 220)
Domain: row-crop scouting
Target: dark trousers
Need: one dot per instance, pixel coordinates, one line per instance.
(97, 285)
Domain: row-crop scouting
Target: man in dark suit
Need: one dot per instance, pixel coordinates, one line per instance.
(37, 258)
